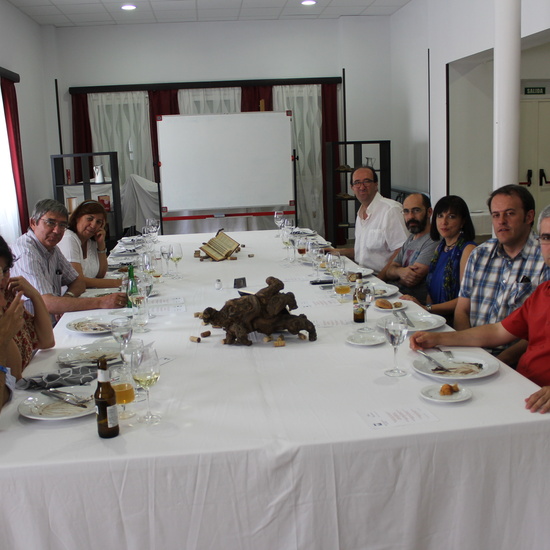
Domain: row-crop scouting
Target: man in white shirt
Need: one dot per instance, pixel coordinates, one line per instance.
(380, 229)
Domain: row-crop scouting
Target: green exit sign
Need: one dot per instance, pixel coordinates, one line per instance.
(535, 90)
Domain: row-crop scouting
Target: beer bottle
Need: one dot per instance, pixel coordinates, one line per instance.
(358, 307)
(105, 402)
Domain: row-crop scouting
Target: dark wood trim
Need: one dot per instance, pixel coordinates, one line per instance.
(447, 130)
(5, 73)
(214, 84)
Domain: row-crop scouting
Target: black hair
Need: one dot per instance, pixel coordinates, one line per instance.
(455, 205)
(520, 191)
(6, 253)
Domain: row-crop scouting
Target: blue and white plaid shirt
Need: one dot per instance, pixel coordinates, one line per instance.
(497, 284)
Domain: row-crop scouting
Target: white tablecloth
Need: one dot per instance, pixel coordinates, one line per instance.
(266, 448)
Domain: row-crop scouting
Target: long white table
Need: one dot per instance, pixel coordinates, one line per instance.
(273, 448)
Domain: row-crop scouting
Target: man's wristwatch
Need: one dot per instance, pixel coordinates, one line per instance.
(429, 307)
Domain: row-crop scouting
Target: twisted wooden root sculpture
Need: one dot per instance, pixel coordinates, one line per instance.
(267, 311)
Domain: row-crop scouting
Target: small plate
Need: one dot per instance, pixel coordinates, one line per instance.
(90, 353)
(489, 365)
(402, 306)
(90, 325)
(366, 338)
(420, 320)
(431, 393)
(43, 407)
(383, 291)
(365, 272)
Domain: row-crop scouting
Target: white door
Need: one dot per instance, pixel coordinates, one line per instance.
(534, 155)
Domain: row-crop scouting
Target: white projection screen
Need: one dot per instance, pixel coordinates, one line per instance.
(216, 162)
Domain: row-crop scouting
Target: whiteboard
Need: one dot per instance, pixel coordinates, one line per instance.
(212, 162)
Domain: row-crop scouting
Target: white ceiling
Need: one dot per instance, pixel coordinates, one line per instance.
(84, 13)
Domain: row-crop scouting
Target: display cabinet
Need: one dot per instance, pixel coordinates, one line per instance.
(71, 194)
(341, 158)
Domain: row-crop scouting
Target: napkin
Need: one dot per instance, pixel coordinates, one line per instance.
(76, 376)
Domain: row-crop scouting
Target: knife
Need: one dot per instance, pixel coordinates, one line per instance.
(430, 358)
(405, 317)
(64, 399)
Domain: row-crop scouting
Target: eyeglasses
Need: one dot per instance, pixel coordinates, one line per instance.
(52, 223)
(544, 238)
(362, 182)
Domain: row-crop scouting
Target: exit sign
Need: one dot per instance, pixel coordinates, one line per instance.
(535, 90)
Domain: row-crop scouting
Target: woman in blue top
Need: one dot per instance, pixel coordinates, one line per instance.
(452, 224)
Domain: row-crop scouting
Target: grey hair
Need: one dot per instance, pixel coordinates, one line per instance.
(48, 205)
(543, 215)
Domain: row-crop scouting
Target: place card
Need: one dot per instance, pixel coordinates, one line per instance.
(401, 416)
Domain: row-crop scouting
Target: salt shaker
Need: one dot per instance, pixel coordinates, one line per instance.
(218, 284)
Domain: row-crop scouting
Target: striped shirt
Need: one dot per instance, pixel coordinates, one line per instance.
(48, 271)
(496, 284)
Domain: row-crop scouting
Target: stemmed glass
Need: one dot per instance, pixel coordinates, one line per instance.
(365, 296)
(146, 372)
(301, 247)
(395, 332)
(140, 311)
(341, 287)
(176, 255)
(123, 384)
(317, 254)
(122, 329)
(278, 217)
(165, 254)
(285, 237)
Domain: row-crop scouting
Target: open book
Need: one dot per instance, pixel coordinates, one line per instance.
(220, 247)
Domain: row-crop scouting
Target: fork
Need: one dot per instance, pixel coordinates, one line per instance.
(74, 397)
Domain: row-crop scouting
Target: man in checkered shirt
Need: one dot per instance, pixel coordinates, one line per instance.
(502, 272)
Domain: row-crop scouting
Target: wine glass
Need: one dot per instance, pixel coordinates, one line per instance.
(165, 254)
(365, 296)
(278, 217)
(176, 255)
(301, 247)
(146, 372)
(134, 346)
(395, 332)
(122, 329)
(342, 287)
(140, 311)
(317, 255)
(123, 384)
(285, 237)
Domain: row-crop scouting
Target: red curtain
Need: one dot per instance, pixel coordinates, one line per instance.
(82, 133)
(9, 99)
(161, 102)
(329, 132)
(251, 96)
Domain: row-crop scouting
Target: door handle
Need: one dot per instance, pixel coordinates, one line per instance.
(542, 177)
(529, 177)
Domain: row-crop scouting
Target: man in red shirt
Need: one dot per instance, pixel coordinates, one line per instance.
(531, 322)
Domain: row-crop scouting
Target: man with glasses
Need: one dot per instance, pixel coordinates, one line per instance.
(379, 228)
(410, 267)
(41, 262)
(530, 322)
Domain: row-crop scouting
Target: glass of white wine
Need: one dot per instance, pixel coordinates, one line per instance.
(176, 255)
(278, 218)
(395, 332)
(146, 372)
(165, 254)
(140, 311)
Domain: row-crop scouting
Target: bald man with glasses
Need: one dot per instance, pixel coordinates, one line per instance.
(380, 229)
(43, 264)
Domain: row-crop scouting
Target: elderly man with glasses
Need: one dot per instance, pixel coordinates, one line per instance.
(379, 228)
(41, 262)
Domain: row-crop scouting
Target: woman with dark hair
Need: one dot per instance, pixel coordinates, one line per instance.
(452, 224)
(84, 244)
(36, 332)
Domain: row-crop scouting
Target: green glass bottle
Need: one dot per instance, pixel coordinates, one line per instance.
(132, 284)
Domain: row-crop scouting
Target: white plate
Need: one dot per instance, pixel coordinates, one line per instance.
(366, 338)
(90, 325)
(420, 320)
(43, 407)
(382, 290)
(431, 393)
(402, 306)
(489, 365)
(92, 352)
(365, 271)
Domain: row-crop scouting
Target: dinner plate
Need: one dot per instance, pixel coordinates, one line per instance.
(43, 407)
(431, 393)
(365, 272)
(366, 338)
(383, 291)
(489, 365)
(421, 320)
(398, 308)
(88, 353)
(90, 325)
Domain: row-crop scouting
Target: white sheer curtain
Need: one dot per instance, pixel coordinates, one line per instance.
(10, 227)
(120, 122)
(209, 101)
(305, 103)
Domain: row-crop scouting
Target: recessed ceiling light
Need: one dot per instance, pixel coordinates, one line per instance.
(128, 7)
(309, 2)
